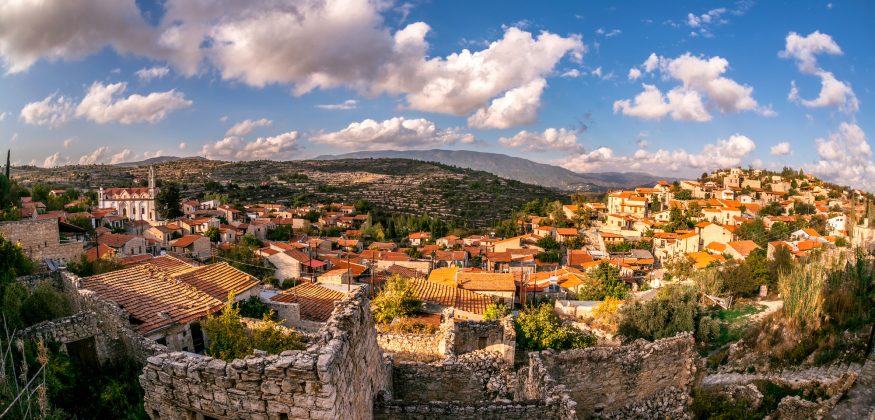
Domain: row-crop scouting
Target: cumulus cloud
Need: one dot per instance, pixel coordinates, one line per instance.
(52, 160)
(3, 116)
(120, 157)
(53, 111)
(69, 142)
(551, 139)
(701, 79)
(781, 149)
(634, 73)
(845, 157)
(147, 74)
(97, 156)
(245, 127)
(517, 107)
(103, 105)
(721, 154)
(345, 105)
(183, 146)
(30, 30)
(323, 45)
(833, 92)
(394, 133)
(236, 148)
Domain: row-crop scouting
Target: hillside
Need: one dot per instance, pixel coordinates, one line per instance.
(475, 198)
(155, 161)
(520, 169)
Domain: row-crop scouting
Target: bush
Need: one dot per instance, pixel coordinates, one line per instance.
(605, 282)
(673, 310)
(44, 304)
(85, 268)
(496, 310)
(253, 308)
(606, 314)
(396, 300)
(539, 328)
(229, 338)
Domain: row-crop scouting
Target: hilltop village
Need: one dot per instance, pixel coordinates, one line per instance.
(667, 300)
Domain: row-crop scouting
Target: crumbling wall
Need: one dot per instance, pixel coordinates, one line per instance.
(496, 336)
(41, 239)
(604, 381)
(335, 377)
(419, 344)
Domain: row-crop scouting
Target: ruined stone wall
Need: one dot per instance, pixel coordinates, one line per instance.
(607, 380)
(419, 344)
(64, 330)
(496, 336)
(479, 410)
(337, 376)
(41, 239)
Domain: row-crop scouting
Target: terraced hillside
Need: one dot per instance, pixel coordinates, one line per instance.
(475, 198)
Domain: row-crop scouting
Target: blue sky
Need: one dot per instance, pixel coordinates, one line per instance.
(548, 81)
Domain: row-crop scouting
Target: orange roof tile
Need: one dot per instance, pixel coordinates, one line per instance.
(185, 241)
(315, 302)
(481, 281)
(461, 299)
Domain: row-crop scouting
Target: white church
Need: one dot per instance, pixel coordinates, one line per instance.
(133, 203)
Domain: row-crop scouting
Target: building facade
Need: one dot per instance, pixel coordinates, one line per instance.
(133, 203)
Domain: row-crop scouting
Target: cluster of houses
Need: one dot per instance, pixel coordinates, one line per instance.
(165, 260)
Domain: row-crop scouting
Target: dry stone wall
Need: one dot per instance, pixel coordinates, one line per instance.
(336, 377)
(41, 239)
(608, 380)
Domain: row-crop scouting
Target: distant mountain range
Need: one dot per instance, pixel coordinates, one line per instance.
(156, 161)
(519, 169)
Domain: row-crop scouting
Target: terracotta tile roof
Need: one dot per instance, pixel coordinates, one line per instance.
(445, 276)
(578, 257)
(446, 296)
(104, 252)
(185, 241)
(218, 280)
(419, 235)
(450, 255)
(316, 302)
(743, 247)
(704, 259)
(566, 231)
(152, 298)
(716, 246)
(114, 240)
(135, 259)
(170, 264)
(479, 281)
(498, 257)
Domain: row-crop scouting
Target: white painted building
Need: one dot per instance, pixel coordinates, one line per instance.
(133, 203)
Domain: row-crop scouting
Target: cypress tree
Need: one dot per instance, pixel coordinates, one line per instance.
(8, 153)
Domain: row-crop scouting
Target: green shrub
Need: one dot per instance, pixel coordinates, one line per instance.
(496, 310)
(673, 310)
(396, 300)
(539, 328)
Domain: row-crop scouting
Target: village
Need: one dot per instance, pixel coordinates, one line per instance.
(171, 267)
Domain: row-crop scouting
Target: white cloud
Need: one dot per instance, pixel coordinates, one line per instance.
(833, 92)
(701, 24)
(572, 73)
(95, 157)
(597, 72)
(322, 45)
(53, 111)
(102, 105)
(147, 74)
(781, 149)
(183, 146)
(30, 30)
(651, 104)
(724, 153)
(3, 116)
(634, 73)
(550, 140)
(223, 118)
(69, 142)
(345, 105)
(517, 107)
(245, 127)
(700, 79)
(120, 157)
(804, 49)
(157, 153)
(845, 157)
(52, 160)
(398, 133)
(235, 148)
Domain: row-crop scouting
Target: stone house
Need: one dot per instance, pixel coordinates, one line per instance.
(124, 245)
(196, 246)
